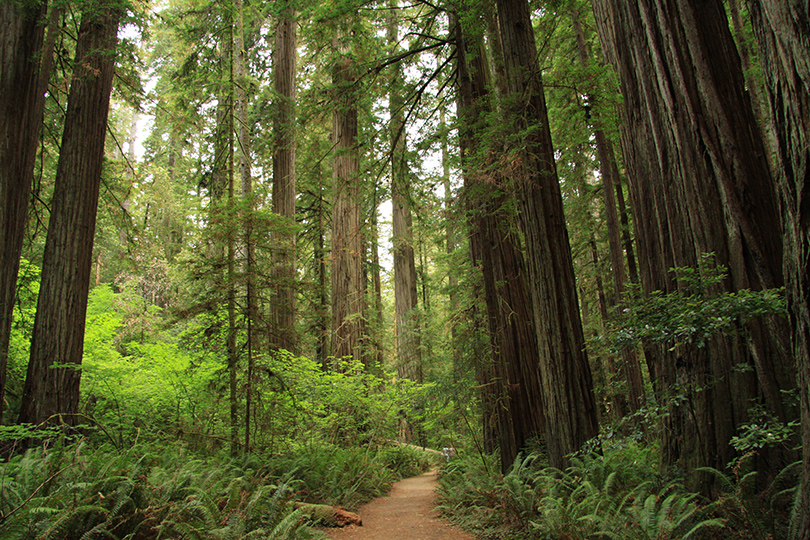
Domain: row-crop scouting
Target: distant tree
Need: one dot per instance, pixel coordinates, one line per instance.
(631, 371)
(52, 380)
(250, 269)
(409, 347)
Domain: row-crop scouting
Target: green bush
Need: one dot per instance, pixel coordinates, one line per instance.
(406, 461)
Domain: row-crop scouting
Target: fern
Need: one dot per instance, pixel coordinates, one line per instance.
(75, 520)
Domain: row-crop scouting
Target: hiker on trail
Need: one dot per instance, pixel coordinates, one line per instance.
(449, 452)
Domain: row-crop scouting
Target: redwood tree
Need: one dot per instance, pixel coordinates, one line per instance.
(700, 183)
(348, 324)
(52, 381)
(511, 383)
(783, 33)
(284, 180)
(21, 104)
(567, 388)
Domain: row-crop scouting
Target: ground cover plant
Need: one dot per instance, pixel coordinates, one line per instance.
(618, 493)
(83, 490)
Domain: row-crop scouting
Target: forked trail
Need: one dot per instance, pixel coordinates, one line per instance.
(404, 514)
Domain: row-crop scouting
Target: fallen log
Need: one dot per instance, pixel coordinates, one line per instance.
(331, 516)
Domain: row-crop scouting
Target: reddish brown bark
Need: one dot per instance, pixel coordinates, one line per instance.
(52, 382)
(567, 388)
(700, 183)
(21, 105)
(783, 33)
(282, 331)
(348, 324)
(512, 380)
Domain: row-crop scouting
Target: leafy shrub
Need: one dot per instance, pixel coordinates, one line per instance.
(405, 461)
(333, 475)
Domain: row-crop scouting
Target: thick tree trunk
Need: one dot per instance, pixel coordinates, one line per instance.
(21, 105)
(570, 409)
(348, 324)
(700, 184)
(782, 28)
(409, 347)
(58, 335)
(283, 335)
(512, 382)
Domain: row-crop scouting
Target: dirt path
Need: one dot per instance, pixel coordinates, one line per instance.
(405, 514)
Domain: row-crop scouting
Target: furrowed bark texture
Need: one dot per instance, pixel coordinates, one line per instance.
(409, 354)
(513, 379)
(700, 183)
(782, 28)
(631, 368)
(568, 400)
(348, 324)
(284, 181)
(21, 104)
(59, 325)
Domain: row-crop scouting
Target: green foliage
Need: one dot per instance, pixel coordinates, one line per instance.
(347, 476)
(763, 430)
(19, 346)
(754, 507)
(617, 494)
(125, 381)
(698, 310)
(142, 494)
(78, 491)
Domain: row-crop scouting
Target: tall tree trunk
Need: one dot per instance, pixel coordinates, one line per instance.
(450, 231)
(512, 382)
(701, 183)
(376, 280)
(782, 28)
(570, 408)
(241, 98)
(319, 256)
(58, 335)
(284, 180)
(409, 346)
(21, 105)
(222, 197)
(348, 325)
(631, 371)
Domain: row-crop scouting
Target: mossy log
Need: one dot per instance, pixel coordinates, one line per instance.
(331, 516)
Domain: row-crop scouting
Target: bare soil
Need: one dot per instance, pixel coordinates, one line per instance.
(407, 513)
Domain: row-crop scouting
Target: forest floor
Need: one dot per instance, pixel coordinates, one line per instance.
(406, 513)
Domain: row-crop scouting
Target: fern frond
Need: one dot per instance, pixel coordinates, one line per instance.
(71, 521)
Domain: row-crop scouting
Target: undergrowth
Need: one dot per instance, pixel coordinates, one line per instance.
(81, 492)
(617, 494)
